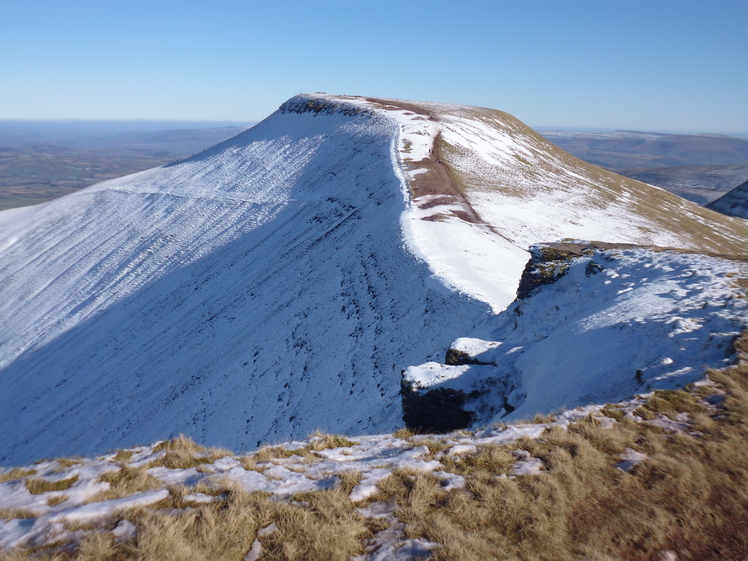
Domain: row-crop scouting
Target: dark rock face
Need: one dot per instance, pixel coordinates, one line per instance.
(316, 105)
(592, 268)
(437, 410)
(549, 262)
(456, 358)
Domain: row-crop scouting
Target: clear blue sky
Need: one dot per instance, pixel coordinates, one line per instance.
(676, 65)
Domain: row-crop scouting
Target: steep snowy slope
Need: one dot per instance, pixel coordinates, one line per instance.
(280, 281)
(733, 203)
(257, 291)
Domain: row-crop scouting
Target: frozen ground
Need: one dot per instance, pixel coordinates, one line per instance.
(66, 516)
(232, 297)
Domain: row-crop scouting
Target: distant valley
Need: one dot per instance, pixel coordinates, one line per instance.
(700, 168)
(44, 160)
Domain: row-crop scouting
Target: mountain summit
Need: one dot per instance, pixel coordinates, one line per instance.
(282, 280)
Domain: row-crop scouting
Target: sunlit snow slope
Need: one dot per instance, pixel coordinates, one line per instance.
(280, 281)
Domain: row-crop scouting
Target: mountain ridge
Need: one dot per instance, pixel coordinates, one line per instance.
(236, 294)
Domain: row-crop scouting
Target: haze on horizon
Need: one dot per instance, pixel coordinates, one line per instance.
(671, 66)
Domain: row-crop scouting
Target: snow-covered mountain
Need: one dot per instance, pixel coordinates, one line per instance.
(281, 281)
(734, 202)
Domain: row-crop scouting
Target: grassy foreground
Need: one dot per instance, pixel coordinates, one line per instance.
(687, 500)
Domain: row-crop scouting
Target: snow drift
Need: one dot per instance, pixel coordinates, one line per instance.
(281, 281)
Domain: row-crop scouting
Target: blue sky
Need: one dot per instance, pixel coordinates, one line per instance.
(648, 65)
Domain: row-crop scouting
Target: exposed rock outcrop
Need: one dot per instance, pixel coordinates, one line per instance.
(549, 262)
(469, 385)
(438, 410)
(442, 397)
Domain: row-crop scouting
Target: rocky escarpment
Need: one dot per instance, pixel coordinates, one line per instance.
(444, 397)
(549, 262)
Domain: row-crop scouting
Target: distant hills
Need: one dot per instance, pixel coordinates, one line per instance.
(44, 160)
(634, 149)
(697, 167)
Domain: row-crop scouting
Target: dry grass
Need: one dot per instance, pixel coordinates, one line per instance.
(434, 446)
(15, 513)
(697, 227)
(327, 529)
(267, 453)
(65, 463)
(183, 453)
(323, 441)
(540, 419)
(489, 461)
(16, 473)
(314, 526)
(672, 402)
(125, 482)
(37, 486)
(613, 412)
(689, 496)
(123, 456)
(403, 434)
(56, 500)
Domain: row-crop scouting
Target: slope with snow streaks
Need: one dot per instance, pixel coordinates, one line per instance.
(733, 203)
(648, 320)
(257, 291)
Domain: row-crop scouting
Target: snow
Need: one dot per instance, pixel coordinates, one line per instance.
(389, 543)
(629, 459)
(235, 295)
(104, 509)
(231, 297)
(124, 530)
(476, 349)
(281, 281)
(734, 202)
(368, 485)
(431, 373)
(584, 339)
(527, 466)
(450, 481)
(543, 204)
(375, 457)
(648, 320)
(50, 528)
